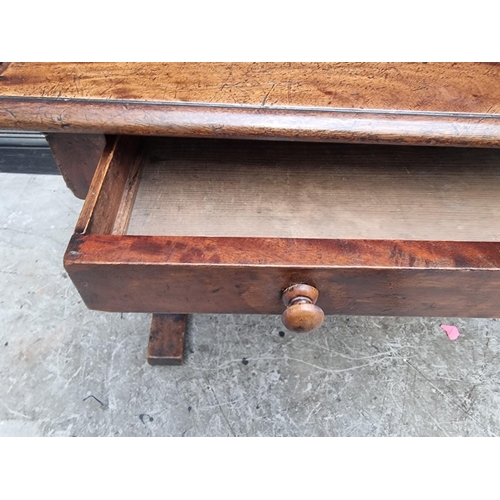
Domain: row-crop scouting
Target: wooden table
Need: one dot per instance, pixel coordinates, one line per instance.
(288, 188)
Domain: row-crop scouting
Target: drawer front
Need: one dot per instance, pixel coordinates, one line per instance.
(248, 275)
(117, 271)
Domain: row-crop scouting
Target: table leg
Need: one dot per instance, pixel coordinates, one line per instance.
(166, 339)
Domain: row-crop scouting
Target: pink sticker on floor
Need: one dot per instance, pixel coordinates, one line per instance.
(451, 331)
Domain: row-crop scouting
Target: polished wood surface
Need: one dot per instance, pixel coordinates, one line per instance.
(301, 313)
(193, 187)
(303, 317)
(453, 104)
(247, 275)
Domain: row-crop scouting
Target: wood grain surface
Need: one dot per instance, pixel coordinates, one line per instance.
(453, 104)
(193, 187)
(248, 275)
(443, 87)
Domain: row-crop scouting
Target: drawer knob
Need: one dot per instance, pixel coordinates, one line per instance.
(301, 313)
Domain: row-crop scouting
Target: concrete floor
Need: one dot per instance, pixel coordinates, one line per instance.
(68, 371)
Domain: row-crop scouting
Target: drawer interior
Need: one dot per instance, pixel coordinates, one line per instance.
(203, 187)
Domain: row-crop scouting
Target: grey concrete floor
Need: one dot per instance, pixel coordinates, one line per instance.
(68, 371)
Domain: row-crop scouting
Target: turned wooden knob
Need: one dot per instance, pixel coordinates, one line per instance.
(301, 313)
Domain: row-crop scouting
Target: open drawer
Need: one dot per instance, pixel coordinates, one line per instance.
(179, 225)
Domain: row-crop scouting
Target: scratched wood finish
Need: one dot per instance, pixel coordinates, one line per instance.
(77, 156)
(166, 339)
(421, 104)
(193, 187)
(444, 87)
(247, 275)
